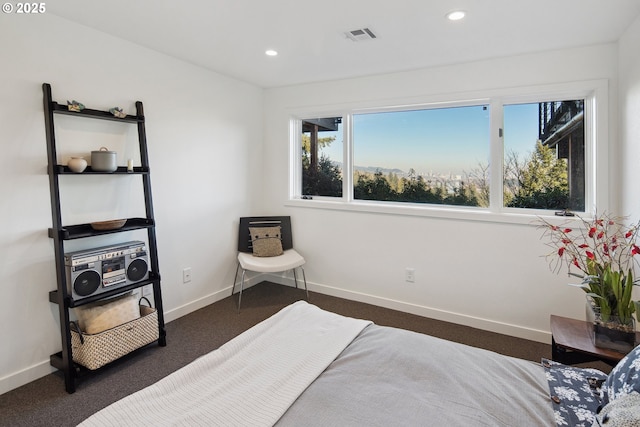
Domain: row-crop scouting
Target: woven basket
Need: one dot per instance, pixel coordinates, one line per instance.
(96, 350)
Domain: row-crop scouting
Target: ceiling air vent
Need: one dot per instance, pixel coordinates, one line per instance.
(361, 34)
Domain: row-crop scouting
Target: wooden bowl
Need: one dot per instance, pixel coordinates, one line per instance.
(108, 225)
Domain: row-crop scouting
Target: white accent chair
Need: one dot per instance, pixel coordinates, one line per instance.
(289, 260)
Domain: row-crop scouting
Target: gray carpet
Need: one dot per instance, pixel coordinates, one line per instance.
(44, 402)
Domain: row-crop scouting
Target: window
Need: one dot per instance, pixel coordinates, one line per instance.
(530, 153)
(434, 156)
(322, 157)
(544, 155)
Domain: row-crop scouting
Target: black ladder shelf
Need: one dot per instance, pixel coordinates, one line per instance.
(61, 233)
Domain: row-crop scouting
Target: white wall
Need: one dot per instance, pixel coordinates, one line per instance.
(629, 46)
(485, 274)
(204, 132)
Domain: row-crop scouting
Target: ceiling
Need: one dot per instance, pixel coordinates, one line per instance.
(231, 36)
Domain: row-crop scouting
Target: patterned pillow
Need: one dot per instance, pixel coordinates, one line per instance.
(266, 241)
(575, 393)
(624, 378)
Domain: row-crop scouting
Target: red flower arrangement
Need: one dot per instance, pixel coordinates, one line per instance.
(602, 252)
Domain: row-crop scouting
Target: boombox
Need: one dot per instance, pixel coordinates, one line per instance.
(98, 270)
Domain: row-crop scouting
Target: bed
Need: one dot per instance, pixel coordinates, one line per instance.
(308, 367)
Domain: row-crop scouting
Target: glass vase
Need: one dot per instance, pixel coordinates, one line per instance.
(611, 332)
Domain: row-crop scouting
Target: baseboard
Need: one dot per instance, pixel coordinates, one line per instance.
(25, 376)
(192, 306)
(433, 313)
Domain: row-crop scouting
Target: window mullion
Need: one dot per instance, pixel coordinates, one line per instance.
(295, 165)
(347, 157)
(496, 168)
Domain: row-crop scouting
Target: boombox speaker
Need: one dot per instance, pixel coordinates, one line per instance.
(94, 271)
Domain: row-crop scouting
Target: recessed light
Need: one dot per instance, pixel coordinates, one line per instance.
(455, 15)
(271, 52)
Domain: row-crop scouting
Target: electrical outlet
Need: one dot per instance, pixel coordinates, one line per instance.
(147, 290)
(186, 275)
(410, 275)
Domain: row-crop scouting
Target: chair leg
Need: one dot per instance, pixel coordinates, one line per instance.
(295, 278)
(241, 289)
(233, 286)
(304, 277)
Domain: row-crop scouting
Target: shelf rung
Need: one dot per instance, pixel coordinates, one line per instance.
(79, 231)
(122, 170)
(95, 114)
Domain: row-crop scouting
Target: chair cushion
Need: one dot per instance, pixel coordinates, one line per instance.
(288, 260)
(266, 241)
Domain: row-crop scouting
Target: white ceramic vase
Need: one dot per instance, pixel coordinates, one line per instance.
(77, 164)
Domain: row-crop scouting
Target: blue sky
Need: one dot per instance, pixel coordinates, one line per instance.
(442, 141)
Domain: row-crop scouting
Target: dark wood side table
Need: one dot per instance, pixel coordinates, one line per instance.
(571, 342)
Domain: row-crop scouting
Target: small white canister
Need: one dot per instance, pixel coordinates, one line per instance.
(104, 160)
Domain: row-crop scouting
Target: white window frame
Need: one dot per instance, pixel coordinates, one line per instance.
(594, 93)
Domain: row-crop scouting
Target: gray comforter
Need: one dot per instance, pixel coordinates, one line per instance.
(393, 377)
